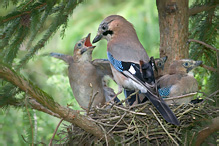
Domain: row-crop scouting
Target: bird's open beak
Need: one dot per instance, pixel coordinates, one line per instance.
(97, 38)
(91, 47)
(87, 42)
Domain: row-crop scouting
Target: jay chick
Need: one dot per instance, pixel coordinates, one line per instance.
(127, 55)
(86, 76)
(159, 66)
(177, 82)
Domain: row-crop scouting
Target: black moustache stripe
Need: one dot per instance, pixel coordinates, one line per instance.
(108, 32)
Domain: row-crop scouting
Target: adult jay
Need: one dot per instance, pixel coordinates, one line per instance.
(127, 57)
(157, 66)
(148, 75)
(178, 82)
(86, 77)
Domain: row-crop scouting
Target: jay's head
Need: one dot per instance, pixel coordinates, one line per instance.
(83, 50)
(183, 66)
(160, 62)
(159, 66)
(112, 26)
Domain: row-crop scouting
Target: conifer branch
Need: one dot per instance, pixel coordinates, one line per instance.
(45, 100)
(21, 13)
(199, 9)
(203, 43)
(204, 133)
(208, 68)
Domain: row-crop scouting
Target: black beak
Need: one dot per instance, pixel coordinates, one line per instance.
(198, 63)
(91, 47)
(97, 38)
(165, 58)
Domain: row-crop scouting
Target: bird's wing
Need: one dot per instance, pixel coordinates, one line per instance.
(132, 71)
(103, 67)
(67, 58)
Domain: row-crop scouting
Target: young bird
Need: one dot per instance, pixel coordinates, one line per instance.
(159, 66)
(125, 53)
(178, 82)
(86, 76)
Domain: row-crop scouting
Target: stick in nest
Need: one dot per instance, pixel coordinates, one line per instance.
(116, 123)
(163, 127)
(91, 100)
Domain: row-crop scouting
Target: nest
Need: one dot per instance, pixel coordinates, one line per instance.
(140, 124)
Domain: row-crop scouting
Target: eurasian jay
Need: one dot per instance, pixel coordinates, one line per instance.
(159, 66)
(127, 55)
(178, 82)
(148, 76)
(86, 77)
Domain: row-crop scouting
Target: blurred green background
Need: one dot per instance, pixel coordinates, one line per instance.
(50, 74)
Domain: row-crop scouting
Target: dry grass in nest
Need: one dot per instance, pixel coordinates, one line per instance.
(140, 124)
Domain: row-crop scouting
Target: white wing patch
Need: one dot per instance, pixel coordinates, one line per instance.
(132, 70)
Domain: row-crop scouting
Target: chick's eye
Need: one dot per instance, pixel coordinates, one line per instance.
(159, 64)
(79, 44)
(186, 64)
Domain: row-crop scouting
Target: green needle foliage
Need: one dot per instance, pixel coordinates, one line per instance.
(26, 27)
(203, 27)
(23, 26)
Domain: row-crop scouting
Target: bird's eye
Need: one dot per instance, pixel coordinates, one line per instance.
(159, 64)
(186, 64)
(104, 27)
(79, 44)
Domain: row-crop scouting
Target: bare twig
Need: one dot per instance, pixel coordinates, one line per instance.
(112, 99)
(163, 127)
(204, 133)
(136, 113)
(199, 9)
(50, 143)
(203, 43)
(91, 100)
(116, 123)
(208, 67)
(208, 46)
(122, 101)
(107, 143)
(30, 143)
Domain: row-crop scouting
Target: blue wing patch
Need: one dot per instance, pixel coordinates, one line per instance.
(164, 92)
(128, 66)
(116, 63)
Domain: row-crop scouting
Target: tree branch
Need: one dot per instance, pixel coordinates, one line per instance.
(199, 9)
(208, 68)
(208, 46)
(203, 134)
(35, 105)
(45, 100)
(203, 43)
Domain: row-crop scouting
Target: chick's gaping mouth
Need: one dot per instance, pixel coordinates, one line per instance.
(87, 42)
